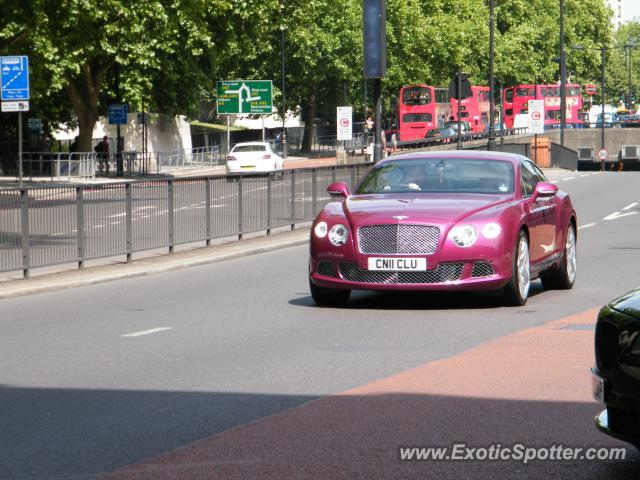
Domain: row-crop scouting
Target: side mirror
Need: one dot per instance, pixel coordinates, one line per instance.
(338, 189)
(544, 190)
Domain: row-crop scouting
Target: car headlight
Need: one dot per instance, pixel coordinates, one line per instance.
(321, 229)
(491, 230)
(464, 235)
(338, 235)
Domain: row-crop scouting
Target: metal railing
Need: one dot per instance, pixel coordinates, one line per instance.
(196, 158)
(78, 165)
(72, 224)
(59, 165)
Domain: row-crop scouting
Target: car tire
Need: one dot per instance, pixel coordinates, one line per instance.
(516, 292)
(328, 296)
(563, 277)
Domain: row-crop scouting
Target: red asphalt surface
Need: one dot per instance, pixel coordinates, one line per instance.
(530, 387)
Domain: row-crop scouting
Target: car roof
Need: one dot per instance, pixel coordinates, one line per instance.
(251, 143)
(463, 154)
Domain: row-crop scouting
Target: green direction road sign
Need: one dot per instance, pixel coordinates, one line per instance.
(244, 96)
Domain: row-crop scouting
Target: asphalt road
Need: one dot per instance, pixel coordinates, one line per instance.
(98, 378)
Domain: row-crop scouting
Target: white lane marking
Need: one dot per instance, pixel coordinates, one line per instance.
(596, 173)
(616, 215)
(554, 181)
(568, 178)
(98, 226)
(586, 225)
(137, 209)
(118, 215)
(116, 223)
(147, 332)
(584, 175)
(630, 206)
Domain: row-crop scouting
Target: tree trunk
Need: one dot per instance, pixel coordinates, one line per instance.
(83, 93)
(308, 115)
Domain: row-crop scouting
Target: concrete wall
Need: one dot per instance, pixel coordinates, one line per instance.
(590, 137)
(164, 133)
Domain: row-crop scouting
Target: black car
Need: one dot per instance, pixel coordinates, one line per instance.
(436, 136)
(616, 377)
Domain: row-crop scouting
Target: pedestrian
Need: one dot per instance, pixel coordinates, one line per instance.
(102, 151)
(369, 125)
(73, 148)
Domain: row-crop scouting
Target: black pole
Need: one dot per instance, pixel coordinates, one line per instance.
(491, 144)
(501, 114)
(602, 73)
(283, 140)
(563, 77)
(629, 47)
(377, 97)
(459, 81)
(118, 99)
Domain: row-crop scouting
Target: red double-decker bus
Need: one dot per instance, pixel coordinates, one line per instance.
(521, 94)
(507, 107)
(420, 109)
(474, 109)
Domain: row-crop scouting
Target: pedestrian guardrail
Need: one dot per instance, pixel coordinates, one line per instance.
(42, 227)
(77, 165)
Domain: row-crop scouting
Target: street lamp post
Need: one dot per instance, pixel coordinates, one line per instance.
(283, 140)
(491, 144)
(563, 77)
(603, 51)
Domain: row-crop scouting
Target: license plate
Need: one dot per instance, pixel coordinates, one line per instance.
(597, 387)
(397, 264)
(248, 167)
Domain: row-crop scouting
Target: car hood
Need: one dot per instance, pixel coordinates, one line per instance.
(433, 208)
(628, 304)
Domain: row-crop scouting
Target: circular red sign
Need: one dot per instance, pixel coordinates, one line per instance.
(536, 115)
(603, 154)
(344, 122)
(590, 89)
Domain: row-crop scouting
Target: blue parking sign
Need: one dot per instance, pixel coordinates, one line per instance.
(14, 74)
(118, 114)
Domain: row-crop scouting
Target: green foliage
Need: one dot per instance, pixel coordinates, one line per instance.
(169, 53)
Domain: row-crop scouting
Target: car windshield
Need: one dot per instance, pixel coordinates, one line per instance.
(444, 175)
(249, 148)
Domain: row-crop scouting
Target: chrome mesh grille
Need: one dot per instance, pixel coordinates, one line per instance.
(446, 272)
(482, 269)
(391, 239)
(326, 269)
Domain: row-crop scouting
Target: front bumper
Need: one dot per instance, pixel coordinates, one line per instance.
(604, 425)
(467, 274)
(621, 417)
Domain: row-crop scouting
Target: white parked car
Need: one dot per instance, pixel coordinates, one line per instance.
(253, 158)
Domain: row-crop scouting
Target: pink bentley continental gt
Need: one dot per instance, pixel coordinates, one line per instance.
(457, 220)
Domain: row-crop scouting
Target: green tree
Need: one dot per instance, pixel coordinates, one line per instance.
(73, 45)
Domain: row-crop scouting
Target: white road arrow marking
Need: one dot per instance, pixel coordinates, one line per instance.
(586, 225)
(147, 332)
(616, 215)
